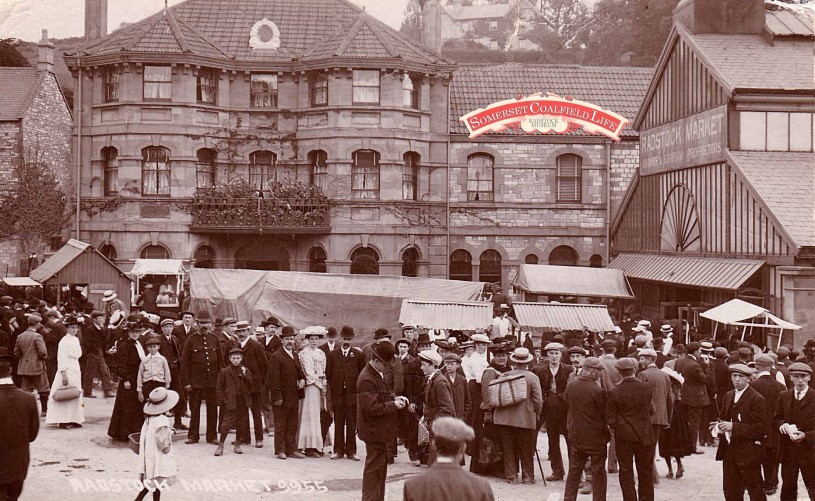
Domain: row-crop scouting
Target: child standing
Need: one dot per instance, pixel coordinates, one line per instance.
(154, 371)
(156, 460)
(234, 388)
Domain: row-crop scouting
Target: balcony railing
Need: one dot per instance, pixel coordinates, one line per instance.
(259, 215)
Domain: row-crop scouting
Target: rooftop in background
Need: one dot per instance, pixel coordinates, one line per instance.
(618, 89)
(19, 87)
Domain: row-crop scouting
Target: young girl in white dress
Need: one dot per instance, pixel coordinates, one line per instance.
(157, 466)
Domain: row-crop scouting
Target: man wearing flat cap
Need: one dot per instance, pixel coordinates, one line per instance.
(19, 425)
(31, 354)
(770, 389)
(187, 327)
(628, 414)
(446, 480)
(742, 427)
(662, 396)
(795, 419)
(553, 378)
(376, 419)
(695, 390)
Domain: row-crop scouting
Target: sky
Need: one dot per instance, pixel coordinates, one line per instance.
(25, 19)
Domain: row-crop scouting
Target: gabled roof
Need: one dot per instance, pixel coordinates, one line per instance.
(618, 89)
(61, 258)
(785, 181)
(18, 86)
(221, 30)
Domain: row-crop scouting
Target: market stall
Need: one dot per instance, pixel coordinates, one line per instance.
(749, 316)
(453, 315)
(158, 285)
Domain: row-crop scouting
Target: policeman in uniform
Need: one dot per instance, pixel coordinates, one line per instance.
(200, 364)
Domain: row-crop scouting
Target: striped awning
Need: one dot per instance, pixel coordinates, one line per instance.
(469, 315)
(572, 281)
(562, 316)
(714, 273)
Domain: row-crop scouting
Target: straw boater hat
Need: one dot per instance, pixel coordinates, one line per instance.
(160, 401)
(109, 296)
(314, 331)
(116, 319)
(666, 329)
(480, 338)
(521, 355)
(677, 376)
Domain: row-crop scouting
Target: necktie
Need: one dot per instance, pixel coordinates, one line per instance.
(799, 395)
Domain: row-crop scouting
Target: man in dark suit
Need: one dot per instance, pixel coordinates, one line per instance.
(326, 415)
(742, 426)
(19, 425)
(185, 330)
(94, 345)
(553, 379)
(170, 348)
(588, 432)
(31, 355)
(659, 345)
(285, 379)
(695, 390)
(201, 362)
(446, 480)
(795, 420)
(342, 370)
(271, 343)
(628, 414)
(227, 339)
(770, 389)
(721, 374)
(376, 418)
(254, 359)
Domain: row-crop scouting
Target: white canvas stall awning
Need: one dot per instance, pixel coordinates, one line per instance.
(572, 281)
(563, 316)
(738, 312)
(21, 282)
(144, 267)
(469, 315)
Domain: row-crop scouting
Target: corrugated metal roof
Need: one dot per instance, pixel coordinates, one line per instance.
(715, 273)
(572, 281)
(789, 22)
(446, 315)
(560, 316)
(59, 260)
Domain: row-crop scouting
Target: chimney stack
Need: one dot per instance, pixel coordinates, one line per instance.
(726, 17)
(96, 19)
(625, 59)
(431, 24)
(45, 54)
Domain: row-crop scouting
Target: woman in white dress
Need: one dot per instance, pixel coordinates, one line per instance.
(67, 413)
(312, 359)
(156, 459)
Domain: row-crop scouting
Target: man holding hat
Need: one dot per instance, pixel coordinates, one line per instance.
(588, 432)
(285, 379)
(628, 414)
(446, 480)
(19, 425)
(342, 369)
(93, 344)
(553, 379)
(770, 389)
(112, 303)
(29, 349)
(170, 348)
(201, 362)
(376, 419)
(187, 327)
(254, 359)
(795, 420)
(743, 424)
(415, 380)
(695, 390)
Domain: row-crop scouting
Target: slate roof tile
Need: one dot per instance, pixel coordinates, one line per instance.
(18, 87)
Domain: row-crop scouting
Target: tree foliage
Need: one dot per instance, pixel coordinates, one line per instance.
(412, 24)
(9, 55)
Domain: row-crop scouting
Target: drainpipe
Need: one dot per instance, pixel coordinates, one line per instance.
(608, 201)
(78, 173)
(447, 195)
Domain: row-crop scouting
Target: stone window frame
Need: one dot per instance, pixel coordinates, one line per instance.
(365, 175)
(316, 260)
(261, 173)
(573, 178)
(111, 84)
(411, 91)
(263, 90)
(487, 194)
(486, 267)
(110, 170)
(206, 168)
(410, 261)
(467, 261)
(159, 81)
(147, 252)
(156, 159)
(412, 161)
(364, 261)
(318, 89)
(206, 86)
(318, 168)
(360, 87)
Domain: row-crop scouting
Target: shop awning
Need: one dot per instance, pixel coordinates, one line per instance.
(561, 316)
(469, 315)
(715, 273)
(157, 267)
(742, 313)
(21, 282)
(572, 281)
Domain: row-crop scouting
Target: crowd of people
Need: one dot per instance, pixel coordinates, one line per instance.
(616, 399)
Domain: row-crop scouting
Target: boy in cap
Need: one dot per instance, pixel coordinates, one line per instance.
(234, 390)
(445, 480)
(770, 389)
(154, 371)
(795, 419)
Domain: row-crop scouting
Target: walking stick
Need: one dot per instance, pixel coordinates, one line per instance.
(540, 467)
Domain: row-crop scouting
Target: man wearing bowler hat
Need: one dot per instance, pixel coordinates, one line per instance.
(695, 390)
(342, 370)
(376, 418)
(19, 425)
(285, 379)
(795, 419)
(201, 361)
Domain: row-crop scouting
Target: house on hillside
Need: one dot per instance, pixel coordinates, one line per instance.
(495, 26)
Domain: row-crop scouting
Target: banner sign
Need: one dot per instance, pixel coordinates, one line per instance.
(696, 140)
(546, 114)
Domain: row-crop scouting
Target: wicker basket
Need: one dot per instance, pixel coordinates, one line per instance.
(506, 391)
(133, 441)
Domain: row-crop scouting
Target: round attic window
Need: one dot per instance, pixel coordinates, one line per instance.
(264, 35)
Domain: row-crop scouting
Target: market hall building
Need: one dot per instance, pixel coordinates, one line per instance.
(723, 205)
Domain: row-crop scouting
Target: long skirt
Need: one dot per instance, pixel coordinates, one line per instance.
(66, 411)
(476, 418)
(128, 415)
(676, 440)
(490, 457)
(310, 434)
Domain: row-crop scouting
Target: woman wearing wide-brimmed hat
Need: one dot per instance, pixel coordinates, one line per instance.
(312, 358)
(156, 459)
(127, 414)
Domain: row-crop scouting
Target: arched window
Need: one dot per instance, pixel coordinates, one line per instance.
(410, 91)
(364, 261)
(155, 171)
(155, 252)
(110, 170)
(410, 262)
(204, 257)
(531, 259)
(262, 169)
(410, 175)
(262, 256)
(365, 175)
(205, 168)
(461, 265)
(563, 255)
(317, 160)
(108, 250)
(596, 261)
(480, 177)
(569, 178)
(316, 260)
(489, 269)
